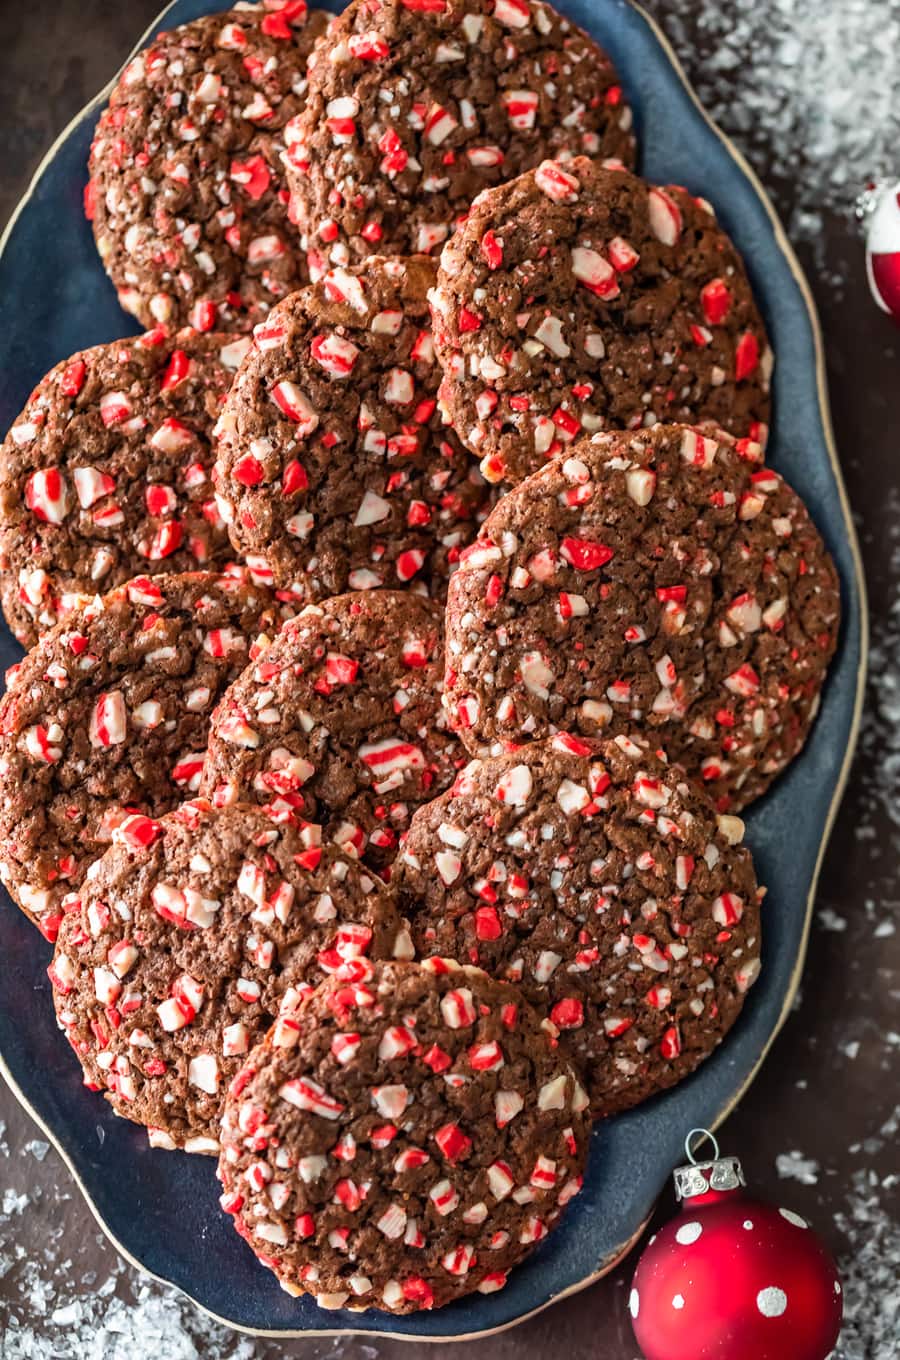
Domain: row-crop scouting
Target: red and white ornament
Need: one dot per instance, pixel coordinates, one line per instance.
(879, 210)
(731, 1278)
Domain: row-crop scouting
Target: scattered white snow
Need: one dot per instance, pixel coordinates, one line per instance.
(794, 1166)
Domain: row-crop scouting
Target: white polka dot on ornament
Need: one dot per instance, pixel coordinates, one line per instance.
(771, 1302)
(688, 1234)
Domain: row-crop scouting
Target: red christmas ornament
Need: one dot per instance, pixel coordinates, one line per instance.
(731, 1278)
(879, 210)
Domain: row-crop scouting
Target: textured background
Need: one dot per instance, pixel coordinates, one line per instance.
(810, 89)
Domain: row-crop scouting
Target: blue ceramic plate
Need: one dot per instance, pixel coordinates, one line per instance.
(159, 1207)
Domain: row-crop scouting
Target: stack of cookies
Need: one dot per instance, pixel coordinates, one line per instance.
(411, 614)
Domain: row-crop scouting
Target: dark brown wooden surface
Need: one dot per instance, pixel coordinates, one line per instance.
(830, 1085)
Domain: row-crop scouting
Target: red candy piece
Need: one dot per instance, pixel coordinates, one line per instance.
(179, 366)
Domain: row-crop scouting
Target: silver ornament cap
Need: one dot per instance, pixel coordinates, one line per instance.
(698, 1178)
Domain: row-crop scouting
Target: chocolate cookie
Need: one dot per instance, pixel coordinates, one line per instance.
(108, 714)
(415, 106)
(340, 720)
(334, 469)
(407, 1143)
(188, 933)
(577, 298)
(106, 473)
(662, 578)
(186, 190)
(601, 880)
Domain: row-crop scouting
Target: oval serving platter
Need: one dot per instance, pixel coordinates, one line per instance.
(159, 1208)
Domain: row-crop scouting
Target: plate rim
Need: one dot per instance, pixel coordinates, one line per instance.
(788, 253)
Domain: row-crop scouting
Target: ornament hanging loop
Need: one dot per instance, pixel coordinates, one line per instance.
(700, 1135)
